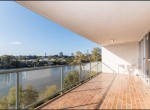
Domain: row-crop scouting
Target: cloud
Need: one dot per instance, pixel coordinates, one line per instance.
(16, 43)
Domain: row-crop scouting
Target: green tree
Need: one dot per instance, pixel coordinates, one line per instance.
(4, 103)
(37, 63)
(71, 78)
(7, 59)
(49, 91)
(30, 95)
(26, 97)
(11, 98)
(70, 60)
(96, 54)
(79, 58)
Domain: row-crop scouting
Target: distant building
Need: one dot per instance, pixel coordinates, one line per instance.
(45, 54)
(60, 54)
(72, 54)
(50, 63)
(55, 55)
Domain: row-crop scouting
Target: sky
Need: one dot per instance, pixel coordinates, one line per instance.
(24, 32)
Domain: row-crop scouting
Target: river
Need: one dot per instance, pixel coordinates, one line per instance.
(39, 79)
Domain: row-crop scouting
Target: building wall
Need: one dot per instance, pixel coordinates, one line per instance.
(123, 58)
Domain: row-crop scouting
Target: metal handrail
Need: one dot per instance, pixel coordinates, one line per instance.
(31, 69)
(34, 68)
(17, 71)
(95, 65)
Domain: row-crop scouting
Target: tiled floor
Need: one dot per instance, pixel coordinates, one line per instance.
(127, 92)
(102, 92)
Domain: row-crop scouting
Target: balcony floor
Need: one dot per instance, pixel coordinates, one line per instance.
(102, 92)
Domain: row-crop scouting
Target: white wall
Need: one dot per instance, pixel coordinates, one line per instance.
(123, 58)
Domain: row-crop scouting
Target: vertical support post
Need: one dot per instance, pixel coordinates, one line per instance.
(97, 67)
(10, 77)
(90, 66)
(17, 90)
(80, 70)
(61, 79)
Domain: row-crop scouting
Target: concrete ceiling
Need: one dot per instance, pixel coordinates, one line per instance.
(99, 21)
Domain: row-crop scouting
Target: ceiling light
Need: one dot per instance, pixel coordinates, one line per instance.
(112, 40)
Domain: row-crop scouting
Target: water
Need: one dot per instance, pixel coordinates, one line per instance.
(39, 79)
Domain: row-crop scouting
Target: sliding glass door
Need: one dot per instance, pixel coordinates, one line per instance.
(144, 58)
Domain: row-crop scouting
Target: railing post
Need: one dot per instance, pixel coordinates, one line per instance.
(97, 67)
(90, 66)
(61, 79)
(17, 90)
(80, 70)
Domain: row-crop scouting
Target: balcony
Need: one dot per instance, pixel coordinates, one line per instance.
(26, 88)
(120, 81)
(91, 91)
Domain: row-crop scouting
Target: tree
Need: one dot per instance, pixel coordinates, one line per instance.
(79, 58)
(30, 95)
(7, 59)
(71, 78)
(11, 98)
(70, 60)
(96, 54)
(3, 103)
(49, 91)
(26, 97)
(37, 63)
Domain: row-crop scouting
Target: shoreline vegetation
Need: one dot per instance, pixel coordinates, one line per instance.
(14, 62)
